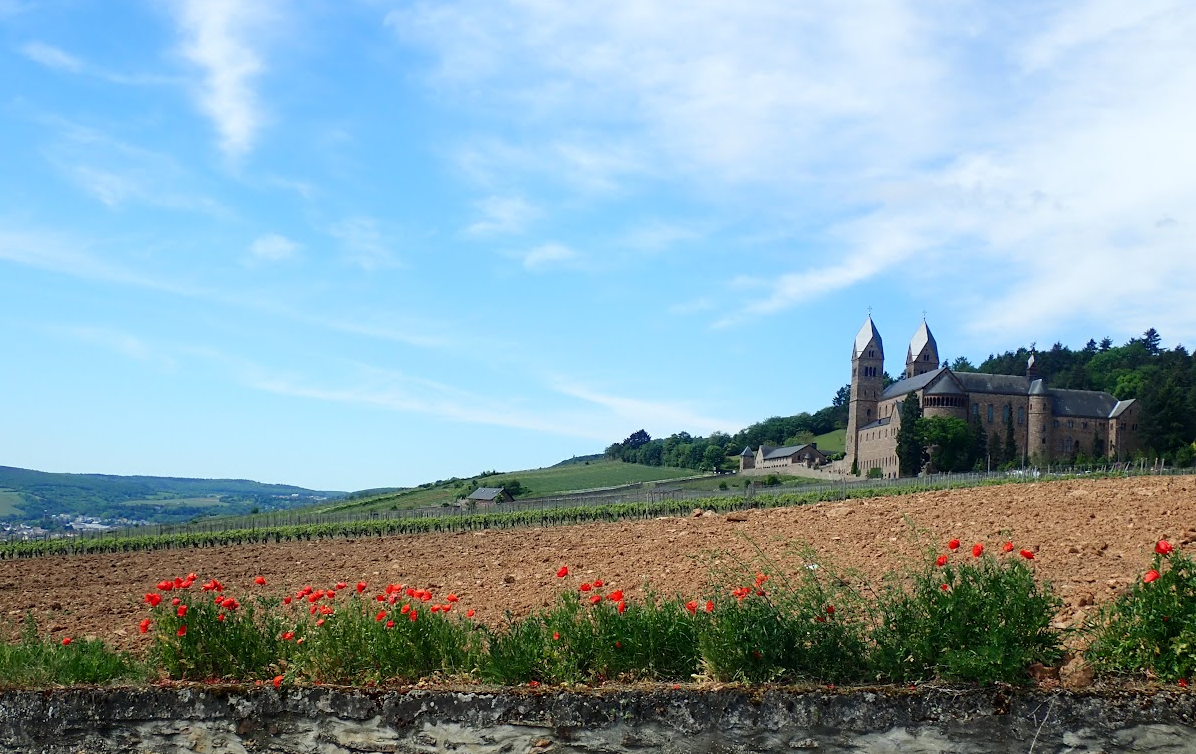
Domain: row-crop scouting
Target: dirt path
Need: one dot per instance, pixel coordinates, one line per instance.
(1091, 537)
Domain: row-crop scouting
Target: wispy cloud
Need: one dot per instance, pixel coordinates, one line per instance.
(656, 416)
(658, 236)
(364, 243)
(272, 247)
(217, 38)
(51, 57)
(503, 215)
(549, 255)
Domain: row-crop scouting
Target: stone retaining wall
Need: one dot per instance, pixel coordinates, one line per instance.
(234, 720)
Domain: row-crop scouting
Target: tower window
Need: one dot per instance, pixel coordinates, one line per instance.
(976, 410)
(990, 413)
(1021, 415)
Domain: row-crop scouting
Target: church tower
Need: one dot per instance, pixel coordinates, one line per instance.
(867, 380)
(1039, 429)
(923, 353)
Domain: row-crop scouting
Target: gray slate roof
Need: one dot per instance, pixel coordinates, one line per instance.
(945, 386)
(486, 493)
(1001, 384)
(747, 451)
(878, 423)
(774, 453)
(1083, 403)
(909, 385)
(920, 339)
(867, 333)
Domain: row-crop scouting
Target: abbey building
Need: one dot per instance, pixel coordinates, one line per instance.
(1049, 425)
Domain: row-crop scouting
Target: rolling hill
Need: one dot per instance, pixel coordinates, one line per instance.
(39, 496)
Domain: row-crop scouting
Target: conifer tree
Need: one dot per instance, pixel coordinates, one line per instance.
(911, 446)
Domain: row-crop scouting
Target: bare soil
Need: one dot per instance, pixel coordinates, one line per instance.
(1091, 538)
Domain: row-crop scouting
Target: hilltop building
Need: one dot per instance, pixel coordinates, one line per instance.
(1050, 424)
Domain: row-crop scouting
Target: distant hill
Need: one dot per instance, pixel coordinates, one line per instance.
(42, 497)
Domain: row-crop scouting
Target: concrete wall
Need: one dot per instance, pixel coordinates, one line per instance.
(232, 721)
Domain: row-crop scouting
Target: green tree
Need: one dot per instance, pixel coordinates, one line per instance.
(949, 441)
(996, 455)
(1009, 452)
(714, 457)
(979, 445)
(911, 446)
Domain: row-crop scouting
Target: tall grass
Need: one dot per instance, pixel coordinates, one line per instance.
(34, 662)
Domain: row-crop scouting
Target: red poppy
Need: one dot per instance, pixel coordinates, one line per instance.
(220, 617)
(709, 606)
(182, 630)
(618, 645)
(453, 598)
(556, 635)
(1007, 547)
(595, 599)
(1163, 547)
(152, 599)
(361, 585)
(1183, 683)
(584, 587)
(145, 626)
(692, 607)
(435, 608)
(341, 585)
(740, 593)
(830, 609)
(1150, 576)
(260, 580)
(320, 622)
(761, 578)
(944, 587)
(622, 606)
(941, 561)
(406, 608)
(175, 601)
(615, 596)
(597, 583)
(178, 582)
(413, 614)
(953, 545)
(277, 681)
(288, 635)
(381, 614)
(469, 613)
(563, 572)
(182, 610)
(191, 577)
(1027, 554)
(66, 640)
(533, 684)
(231, 604)
(977, 550)
(286, 600)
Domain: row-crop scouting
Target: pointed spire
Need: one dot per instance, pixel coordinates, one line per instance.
(866, 335)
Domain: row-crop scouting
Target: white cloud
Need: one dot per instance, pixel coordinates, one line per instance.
(52, 57)
(364, 244)
(549, 255)
(656, 416)
(503, 215)
(272, 248)
(217, 39)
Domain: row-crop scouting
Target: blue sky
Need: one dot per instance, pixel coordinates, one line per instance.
(353, 244)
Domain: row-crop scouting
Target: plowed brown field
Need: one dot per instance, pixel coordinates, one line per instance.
(1092, 538)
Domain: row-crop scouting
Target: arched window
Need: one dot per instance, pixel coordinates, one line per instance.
(1021, 415)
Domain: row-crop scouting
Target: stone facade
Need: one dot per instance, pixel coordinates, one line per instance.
(782, 459)
(1049, 425)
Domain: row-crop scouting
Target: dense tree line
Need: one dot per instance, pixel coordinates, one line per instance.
(1162, 380)
(710, 453)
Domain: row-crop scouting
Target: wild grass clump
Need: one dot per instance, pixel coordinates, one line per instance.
(982, 620)
(1151, 628)
(34, 662)
(807, 628)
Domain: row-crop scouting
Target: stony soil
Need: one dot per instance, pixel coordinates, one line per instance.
(1092, 538)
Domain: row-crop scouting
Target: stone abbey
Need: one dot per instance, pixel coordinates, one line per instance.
(1049, 425)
